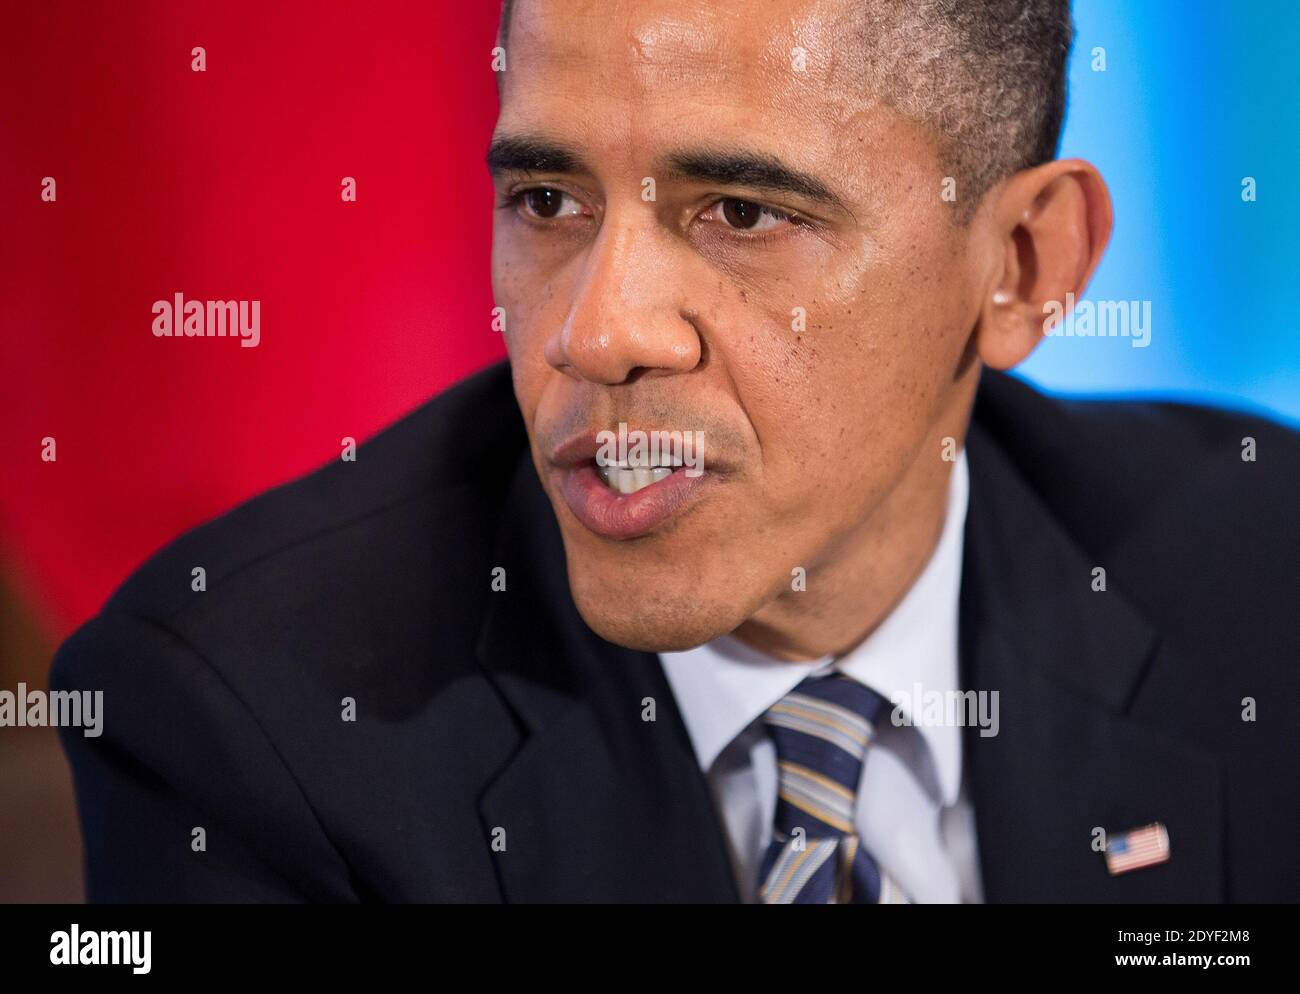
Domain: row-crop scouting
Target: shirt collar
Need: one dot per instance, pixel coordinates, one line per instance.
(723, 686)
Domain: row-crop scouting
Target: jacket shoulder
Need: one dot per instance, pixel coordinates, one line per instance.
(1155, 439)
(1127, 459)
(1191, 508)
(442, 464)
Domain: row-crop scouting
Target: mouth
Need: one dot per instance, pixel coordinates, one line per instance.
(625, 499)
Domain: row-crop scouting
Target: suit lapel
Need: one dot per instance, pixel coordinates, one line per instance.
(597, 804)
(1068, 663)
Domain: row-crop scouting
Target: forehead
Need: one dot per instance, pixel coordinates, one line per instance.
(677, 38)
(782, 75)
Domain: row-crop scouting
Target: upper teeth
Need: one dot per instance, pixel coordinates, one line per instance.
(630, 480)
(650, 463)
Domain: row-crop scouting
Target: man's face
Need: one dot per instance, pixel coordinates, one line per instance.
(729, 245)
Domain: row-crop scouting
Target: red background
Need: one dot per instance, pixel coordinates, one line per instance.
(224, 184)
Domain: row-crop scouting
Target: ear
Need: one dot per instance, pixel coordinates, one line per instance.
(1046, 231)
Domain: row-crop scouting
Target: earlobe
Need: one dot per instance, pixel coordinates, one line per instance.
(1051, 225)
(1009, 329)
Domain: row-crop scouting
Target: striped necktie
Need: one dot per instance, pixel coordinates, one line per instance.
(821, 730)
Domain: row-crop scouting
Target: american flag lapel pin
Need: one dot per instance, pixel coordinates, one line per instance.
(1137, 848)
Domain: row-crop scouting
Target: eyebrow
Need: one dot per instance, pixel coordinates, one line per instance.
(760, 171)
(537, 154)
(531, 154)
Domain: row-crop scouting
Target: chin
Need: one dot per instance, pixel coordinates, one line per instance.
(658, 622)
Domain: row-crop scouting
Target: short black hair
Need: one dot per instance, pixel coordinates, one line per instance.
(986, 77)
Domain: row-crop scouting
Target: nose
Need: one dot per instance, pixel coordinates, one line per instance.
(628, 318)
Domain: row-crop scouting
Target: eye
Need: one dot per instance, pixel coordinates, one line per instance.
(545, 203)
(746, 215)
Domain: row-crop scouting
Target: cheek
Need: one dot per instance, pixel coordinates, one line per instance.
(527, 293)
(788, 381)
(840, 404)
(518, 300)
(526, 277)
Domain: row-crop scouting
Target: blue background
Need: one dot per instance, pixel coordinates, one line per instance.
(1195, 96)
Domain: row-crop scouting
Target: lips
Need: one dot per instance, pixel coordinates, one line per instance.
(623, 501)
(617, 515)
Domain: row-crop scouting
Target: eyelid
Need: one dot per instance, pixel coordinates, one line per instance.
(794, 218)
(521, 187)
(513, 199)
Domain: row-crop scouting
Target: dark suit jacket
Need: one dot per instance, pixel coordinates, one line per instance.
(479, 710)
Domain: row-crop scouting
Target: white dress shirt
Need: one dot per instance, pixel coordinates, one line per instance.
(913, 811)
